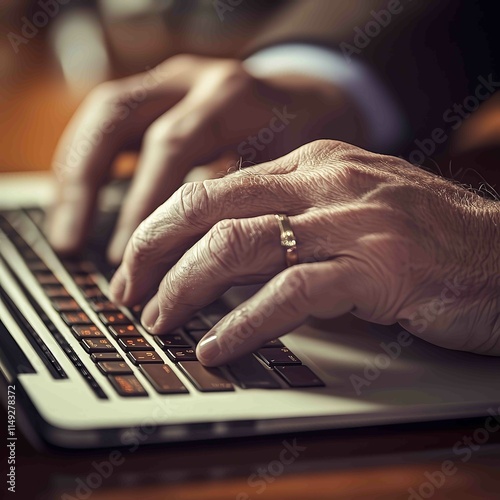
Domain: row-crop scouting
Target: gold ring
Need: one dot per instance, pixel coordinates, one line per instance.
(288, 240)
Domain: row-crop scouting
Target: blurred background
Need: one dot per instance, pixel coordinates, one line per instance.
(53, 52)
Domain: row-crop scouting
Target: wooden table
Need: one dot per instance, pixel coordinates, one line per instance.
(369, 463)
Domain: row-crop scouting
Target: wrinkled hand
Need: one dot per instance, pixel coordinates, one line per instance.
(376, 236)
(187, 111)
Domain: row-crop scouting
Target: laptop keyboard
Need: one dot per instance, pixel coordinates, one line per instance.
(114, 341)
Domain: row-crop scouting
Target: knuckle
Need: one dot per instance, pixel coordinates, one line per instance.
(106, 92)
(181, 60)
(192, 204)
(173, 295)
(168, 133)
(291, 289)
(227, 245)
(233, 75)
(142, 243)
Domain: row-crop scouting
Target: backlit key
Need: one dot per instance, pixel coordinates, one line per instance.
(135, 344)
(86, 331)
(114, 367)
(76, 318)
(139, 357)
(97, 345)
(119, 331)
(106, 356)
(127, 385)
(114, 318)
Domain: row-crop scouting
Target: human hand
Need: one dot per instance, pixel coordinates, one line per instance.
(376, 236)
(186, 112)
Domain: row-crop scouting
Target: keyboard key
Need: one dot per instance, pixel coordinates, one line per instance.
(250, 374)
(97, 345)
(101, 304)
(274, 343)
(65, 305)
(87, 331)
(92, 292)
(171, 340)
(177, 354)
(45, 278)
(114, 367)
(273, 356)
(56, 292)
(195, 324)
(196, 336)
(205, 379)
(76, 318)
(163, 379)
(119, 331)
(127, 385)
(79, 266)
(139, 357)
(136, 312)
(114, 318)
(135, 344)
(299, 376)
(83, 280)
(215, 312)
(106, 356)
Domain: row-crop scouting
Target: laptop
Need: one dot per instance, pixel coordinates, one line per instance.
(87, 374)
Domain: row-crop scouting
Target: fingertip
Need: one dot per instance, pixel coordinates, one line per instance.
(150, 316)
(208, 351)
(117, 286)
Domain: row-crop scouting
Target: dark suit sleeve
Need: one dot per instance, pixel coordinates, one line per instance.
(424, 53)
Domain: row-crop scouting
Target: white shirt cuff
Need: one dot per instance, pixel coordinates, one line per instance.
(385, 121)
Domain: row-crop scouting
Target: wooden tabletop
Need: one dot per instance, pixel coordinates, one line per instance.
(369, 463)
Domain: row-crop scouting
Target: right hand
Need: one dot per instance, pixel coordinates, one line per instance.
(187, 112)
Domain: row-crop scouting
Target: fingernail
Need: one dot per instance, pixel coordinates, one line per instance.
(117, 246)
(117, 285)
(150, 314)
(208, 350)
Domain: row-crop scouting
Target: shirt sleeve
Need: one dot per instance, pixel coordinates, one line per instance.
(386, 123)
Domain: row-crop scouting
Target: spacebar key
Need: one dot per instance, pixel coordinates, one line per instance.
(205, 379)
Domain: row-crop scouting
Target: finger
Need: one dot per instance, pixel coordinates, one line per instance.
(164, 236)
(233, 252)
(186, 136)
(111, 119)
(320, 289)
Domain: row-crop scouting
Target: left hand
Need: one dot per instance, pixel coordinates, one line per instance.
(376, 236)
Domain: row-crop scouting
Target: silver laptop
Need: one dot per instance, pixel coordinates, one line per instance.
(88, 375)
